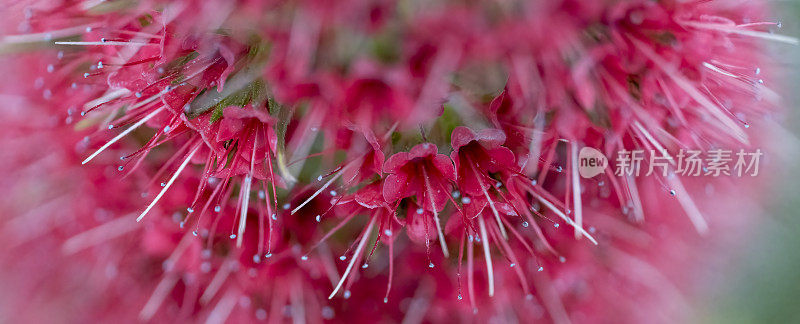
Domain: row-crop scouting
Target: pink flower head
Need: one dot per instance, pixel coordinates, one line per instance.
(252, 136)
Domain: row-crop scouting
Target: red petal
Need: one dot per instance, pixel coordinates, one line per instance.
(395, 187)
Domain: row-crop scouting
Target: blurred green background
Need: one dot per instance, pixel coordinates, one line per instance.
(763, 284)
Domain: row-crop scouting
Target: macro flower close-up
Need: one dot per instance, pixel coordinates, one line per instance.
(312, 161)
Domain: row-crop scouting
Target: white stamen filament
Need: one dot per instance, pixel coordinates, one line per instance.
(442, 242)
(216, 282)
(638, 211)
(169, 183)
(354, 258)
(223, 309)
(157, 298)
(248, 180)
(577, 205)
(688, 205)
(43, 36)
(121, 135)
(714, 68)
(655, 143)
(487, 255)
(97, 235)
(744, 32)
(565, 218)
(496, 214)
(107, 43)
(106, 97)
(326, 185)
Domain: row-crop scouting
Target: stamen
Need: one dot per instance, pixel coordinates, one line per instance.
(245, 193)
(744, 32)
(121, 135)
(688, 205)
(157, 298)
(576, 191)
(326, 185)
(106, 43)
(354, 258)
(566, 219)
(487, 255)
(442, 242)
(169, 183)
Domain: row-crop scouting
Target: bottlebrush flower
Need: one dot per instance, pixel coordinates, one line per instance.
(252, 138)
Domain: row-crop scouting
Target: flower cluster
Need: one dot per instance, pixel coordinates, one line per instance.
(283, 156)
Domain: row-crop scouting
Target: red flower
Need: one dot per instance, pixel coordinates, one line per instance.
(421, 173)
(476, 155)
(426, 175)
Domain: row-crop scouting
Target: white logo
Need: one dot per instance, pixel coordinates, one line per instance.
(591, 162)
